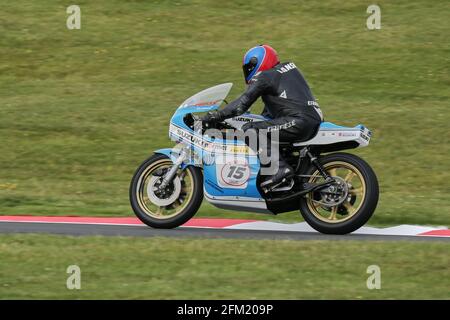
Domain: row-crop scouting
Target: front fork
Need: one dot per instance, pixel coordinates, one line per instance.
(168, 177)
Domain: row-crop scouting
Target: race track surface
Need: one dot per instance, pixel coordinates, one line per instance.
(208, 228)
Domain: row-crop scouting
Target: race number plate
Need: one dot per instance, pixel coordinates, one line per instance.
(233, 174)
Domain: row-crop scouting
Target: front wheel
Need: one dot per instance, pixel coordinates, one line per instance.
(169, 207)
(347, 204)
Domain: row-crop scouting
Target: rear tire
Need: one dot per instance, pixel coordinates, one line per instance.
(152, 214)
(354, 213)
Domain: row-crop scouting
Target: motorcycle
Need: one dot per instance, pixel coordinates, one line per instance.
(336, 193)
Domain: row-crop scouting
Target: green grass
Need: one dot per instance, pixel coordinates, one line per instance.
(80, 109)
(34, 266)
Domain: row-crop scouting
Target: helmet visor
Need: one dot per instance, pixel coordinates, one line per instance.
(249, 67)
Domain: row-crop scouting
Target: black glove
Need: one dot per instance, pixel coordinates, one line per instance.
(212, 116)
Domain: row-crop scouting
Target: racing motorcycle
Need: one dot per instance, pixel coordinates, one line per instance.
(335, 192)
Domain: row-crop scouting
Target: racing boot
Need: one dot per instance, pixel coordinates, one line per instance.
(285, 171)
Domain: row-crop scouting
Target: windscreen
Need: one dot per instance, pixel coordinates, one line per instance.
(209, 97)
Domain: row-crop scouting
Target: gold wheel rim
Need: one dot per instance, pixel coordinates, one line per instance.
(354, 200)
(175, 208)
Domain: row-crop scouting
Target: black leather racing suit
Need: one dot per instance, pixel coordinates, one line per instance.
(289, 103)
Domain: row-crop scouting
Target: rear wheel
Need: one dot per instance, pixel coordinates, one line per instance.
(347, 204)
(171, 206)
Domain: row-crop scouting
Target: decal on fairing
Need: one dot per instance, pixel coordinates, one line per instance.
(179, 134)
(234, 174)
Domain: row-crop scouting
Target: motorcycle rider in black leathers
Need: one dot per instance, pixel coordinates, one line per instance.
(288, 100)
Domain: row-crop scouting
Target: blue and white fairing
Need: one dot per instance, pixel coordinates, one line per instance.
(230, 168)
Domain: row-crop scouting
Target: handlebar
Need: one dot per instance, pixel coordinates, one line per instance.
(190, 119)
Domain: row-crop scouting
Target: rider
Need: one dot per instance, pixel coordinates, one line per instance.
(289, 103)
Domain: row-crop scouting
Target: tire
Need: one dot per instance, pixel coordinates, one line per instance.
(352, 218)
(141, 202)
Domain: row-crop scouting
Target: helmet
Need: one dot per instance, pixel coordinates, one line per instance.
(257, 59)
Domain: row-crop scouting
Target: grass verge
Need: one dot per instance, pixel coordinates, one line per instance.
(34, 267)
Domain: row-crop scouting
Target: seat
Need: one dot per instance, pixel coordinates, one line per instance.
(332, 126)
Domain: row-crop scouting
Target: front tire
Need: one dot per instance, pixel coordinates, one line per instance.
(173, 208)
(353, 210)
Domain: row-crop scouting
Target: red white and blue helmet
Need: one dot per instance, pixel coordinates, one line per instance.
(259, 58)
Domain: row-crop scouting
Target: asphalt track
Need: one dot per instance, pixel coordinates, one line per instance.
(78, 229)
